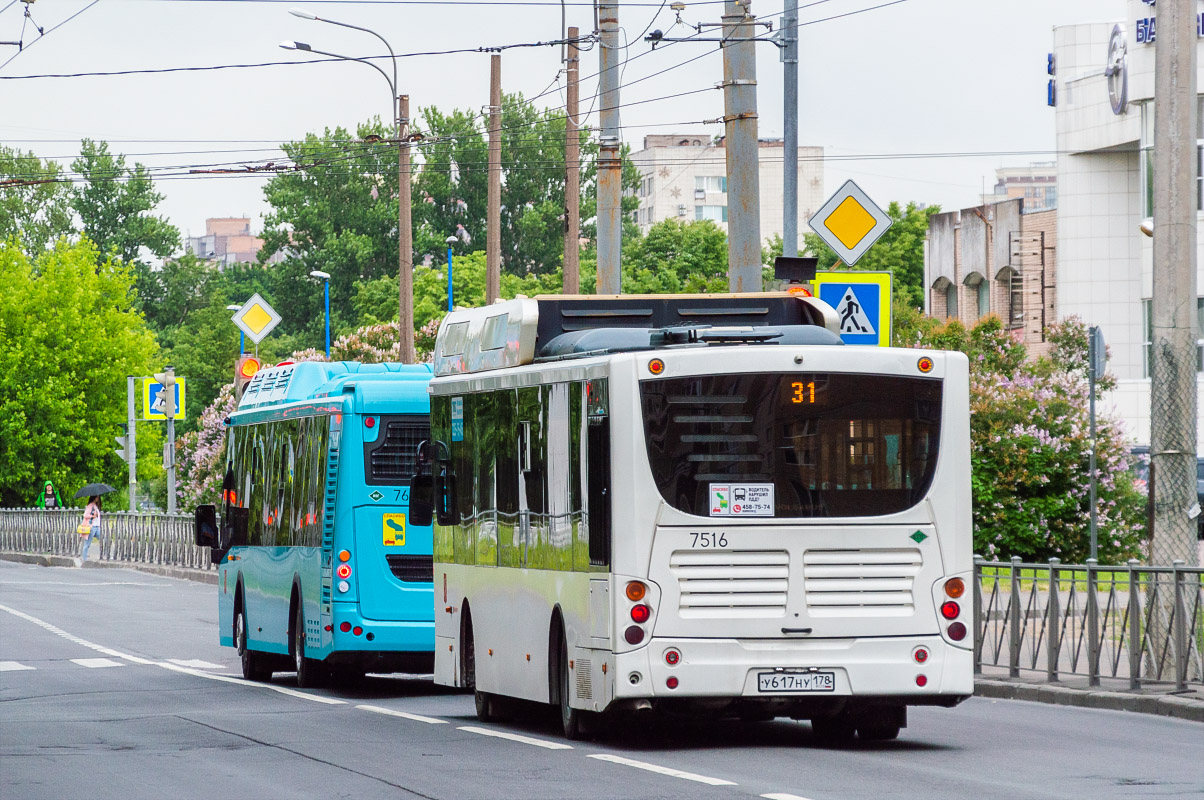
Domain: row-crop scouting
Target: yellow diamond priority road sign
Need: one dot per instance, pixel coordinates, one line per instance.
(256, 318)
(850, 222)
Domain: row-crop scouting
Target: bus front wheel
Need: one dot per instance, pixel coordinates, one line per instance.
(254, 664)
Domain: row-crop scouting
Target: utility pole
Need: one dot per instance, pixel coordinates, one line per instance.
(167, 379)
(610, 167)
(493, 226)
(740, 124)
(1173, 375)
(405, 234)
(131, 439)
(572, 174)
(789, 52)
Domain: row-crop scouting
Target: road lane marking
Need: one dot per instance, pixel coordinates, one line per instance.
(12, 666)
(195, 663)
(72, 638)
(256, 684)
(96, 663)
(514, 737)
(676, 773)
(403, 714)
(781, 796)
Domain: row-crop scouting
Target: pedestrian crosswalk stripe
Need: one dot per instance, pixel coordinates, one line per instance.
(12, 666)
(96, 663)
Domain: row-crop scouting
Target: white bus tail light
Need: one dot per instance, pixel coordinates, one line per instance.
(344, 586)
(633, 635)
(955, 587)
(950, 609)
(635, 591)
(921, 680)
(673, 656)
(671, 682)
(920, 654)
(641, 613)
(956, 631)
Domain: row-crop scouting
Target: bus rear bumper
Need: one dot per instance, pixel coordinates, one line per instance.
(379, 635)
(916, 670)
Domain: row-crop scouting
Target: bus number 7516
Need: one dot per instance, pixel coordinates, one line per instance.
(708, 539)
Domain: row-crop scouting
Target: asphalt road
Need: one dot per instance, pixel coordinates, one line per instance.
(112, 685)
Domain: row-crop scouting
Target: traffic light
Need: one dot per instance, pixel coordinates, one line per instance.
(167, 378)
(244, 371)
(123, 442)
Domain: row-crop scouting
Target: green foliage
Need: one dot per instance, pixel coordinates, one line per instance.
(1030, 448)
(900, 251)
(36, 214)
(71, 338)
(114, 202)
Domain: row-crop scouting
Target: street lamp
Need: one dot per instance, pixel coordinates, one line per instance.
(450, 241)
(325, 278)
(242, 337)
(405, 237)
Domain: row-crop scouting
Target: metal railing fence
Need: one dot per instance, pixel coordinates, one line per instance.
(1136, 623)
(125, 536)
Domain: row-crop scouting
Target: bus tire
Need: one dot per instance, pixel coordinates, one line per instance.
(254, 664)
(878, 733)
(309, 671)
(834, 731)
(487, 704)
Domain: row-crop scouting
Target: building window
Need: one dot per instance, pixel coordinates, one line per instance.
(1147, 344)
(716, 213)
(1147, 157)
(710, 183)
(982, 293)
(951, 301)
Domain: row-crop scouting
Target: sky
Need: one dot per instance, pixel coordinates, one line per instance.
(889, 88)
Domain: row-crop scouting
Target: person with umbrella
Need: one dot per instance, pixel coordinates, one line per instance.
(49, 497)
(92, 514)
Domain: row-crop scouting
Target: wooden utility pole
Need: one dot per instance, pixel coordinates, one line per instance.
(405, 234)
(572, 175)
(1173, 375)
(493, 239)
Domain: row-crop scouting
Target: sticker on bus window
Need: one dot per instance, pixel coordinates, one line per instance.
(741, 499)
(457, 419)
(394, 530)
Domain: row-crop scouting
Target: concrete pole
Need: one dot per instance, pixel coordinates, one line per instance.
(170, 454)
(1173, 375)
(740, 118)
(610, 167)
(572, 174)
(131, 452)
(790, 129)
(405, 234)
(493, 227)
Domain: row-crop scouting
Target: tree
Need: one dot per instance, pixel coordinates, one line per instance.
(113, 204)
(677, 256)
(34, 201)
(900, 251)
(1030, 450)
(71, 337)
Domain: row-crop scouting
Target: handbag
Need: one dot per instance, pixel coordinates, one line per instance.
(83, 529)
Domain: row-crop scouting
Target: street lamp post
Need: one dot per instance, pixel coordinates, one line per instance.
(242, 337)
(450, 241)
(405, 236)
(325, 278)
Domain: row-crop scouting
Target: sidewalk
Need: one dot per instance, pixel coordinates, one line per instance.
(182, 573)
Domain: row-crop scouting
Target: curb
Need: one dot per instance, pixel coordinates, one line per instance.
(180, 573)
(1161, 704)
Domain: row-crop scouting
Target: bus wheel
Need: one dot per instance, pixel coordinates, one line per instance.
(572, 719)
(309, 671)
(878, 733)
(254, 665)
(833, 731)
(487, 704)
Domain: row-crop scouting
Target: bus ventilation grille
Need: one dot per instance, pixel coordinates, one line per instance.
(412, 569)
(739, 584)
(861, 583)
(394, 460)
(585, 679)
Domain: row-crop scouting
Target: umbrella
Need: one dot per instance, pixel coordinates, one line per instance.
(94, 488)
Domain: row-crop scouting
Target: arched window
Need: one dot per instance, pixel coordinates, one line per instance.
(981, 288)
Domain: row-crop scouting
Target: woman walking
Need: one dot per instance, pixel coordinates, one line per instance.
(92, 520)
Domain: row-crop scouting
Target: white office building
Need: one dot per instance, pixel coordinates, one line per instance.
(1103, 92)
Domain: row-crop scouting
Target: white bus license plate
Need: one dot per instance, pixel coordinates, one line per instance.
(796, 681)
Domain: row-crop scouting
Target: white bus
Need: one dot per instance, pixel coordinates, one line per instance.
(701, 504)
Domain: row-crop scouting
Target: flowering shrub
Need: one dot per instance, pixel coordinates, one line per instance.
(1030, 449)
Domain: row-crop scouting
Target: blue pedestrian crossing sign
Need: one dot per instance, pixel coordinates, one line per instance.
(154, 399)
(862, 303)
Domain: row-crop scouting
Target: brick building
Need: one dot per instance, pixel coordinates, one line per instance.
(227, 241)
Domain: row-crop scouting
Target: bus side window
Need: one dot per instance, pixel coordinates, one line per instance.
(598, 495)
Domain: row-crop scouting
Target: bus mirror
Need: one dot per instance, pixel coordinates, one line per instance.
(421, 507)
(204, 526)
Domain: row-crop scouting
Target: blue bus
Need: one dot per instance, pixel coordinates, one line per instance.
(319, 574)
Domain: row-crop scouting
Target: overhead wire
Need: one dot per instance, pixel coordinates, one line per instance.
(46, 33)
